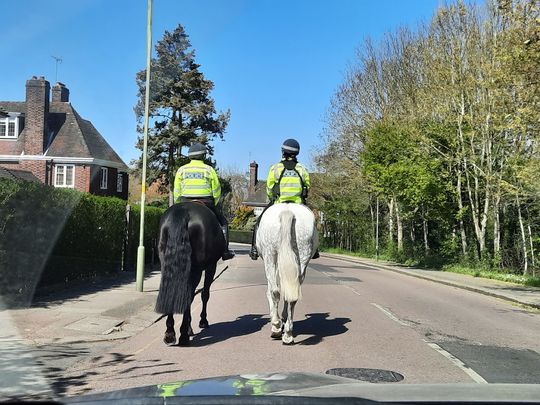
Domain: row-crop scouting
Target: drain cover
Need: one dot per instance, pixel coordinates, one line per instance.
(367, 374)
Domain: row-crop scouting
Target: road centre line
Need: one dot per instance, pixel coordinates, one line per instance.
(469, 371)
(390, 315)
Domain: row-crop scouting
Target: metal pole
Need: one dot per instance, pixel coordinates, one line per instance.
(140, 250)
(377, 232)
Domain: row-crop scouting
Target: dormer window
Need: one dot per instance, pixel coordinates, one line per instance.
(9, 126)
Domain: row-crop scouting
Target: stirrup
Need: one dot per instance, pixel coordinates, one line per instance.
(253, 253)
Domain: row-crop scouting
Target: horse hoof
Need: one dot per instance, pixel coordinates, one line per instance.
(203, 324)
(184, 341)
(287, 340)
(276, 335)
(169, 338)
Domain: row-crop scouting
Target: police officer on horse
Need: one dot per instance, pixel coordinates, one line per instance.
(288, 182)
(197, 181)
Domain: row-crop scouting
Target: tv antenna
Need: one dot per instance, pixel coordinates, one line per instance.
(58, 60)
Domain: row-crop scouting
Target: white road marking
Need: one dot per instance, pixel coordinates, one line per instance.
(469, 371)
(390, 315)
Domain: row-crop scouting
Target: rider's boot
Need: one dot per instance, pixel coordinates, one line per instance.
(316, 255)
(227, 254)
(253, 253)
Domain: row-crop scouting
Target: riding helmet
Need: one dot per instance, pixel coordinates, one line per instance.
(197, 150)
(290, 147)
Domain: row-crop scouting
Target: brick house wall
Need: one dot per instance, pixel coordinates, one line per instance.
(112, 183)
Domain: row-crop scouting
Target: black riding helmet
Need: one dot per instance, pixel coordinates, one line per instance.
(197, 151)
(290, 147)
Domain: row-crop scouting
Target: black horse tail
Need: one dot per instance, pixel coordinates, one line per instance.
(175, 292)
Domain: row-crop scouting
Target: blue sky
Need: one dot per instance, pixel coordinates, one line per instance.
(275, 64)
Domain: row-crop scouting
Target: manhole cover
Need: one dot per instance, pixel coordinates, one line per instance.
(367, 374)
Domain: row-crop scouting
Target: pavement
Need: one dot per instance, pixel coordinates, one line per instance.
(354, 313)
(61, 328)
(523, 295)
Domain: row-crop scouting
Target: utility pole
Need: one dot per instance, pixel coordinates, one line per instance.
(58, 60)
(140, 250)
(377, 231)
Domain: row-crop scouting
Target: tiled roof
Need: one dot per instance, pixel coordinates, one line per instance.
(15, 174)
(13, 106)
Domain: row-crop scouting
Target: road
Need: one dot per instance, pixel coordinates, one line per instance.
(350, 315)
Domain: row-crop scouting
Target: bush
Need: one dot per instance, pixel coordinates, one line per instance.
(241, 217)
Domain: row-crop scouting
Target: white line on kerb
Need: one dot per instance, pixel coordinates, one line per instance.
(469, 371)
(390, 314)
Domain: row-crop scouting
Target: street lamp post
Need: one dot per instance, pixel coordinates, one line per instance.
(140, 250)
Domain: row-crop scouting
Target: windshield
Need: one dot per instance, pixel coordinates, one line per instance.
(222, 189)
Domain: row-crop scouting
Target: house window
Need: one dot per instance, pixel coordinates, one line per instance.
(104, 176)
(64, 176)
(9, 127)
(119, 181)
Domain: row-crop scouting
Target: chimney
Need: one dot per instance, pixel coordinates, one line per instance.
(253, 166)
(37, 109)
(60, 93)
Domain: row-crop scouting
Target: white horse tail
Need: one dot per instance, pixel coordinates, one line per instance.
(287, 259)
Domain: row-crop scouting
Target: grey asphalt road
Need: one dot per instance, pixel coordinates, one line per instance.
(350, 316)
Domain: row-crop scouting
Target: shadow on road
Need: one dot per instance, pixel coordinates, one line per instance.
(319, 326)
(219, 332)
(107, 367)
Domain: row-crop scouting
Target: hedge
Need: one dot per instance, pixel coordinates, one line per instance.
(240, 236)
(50, 235)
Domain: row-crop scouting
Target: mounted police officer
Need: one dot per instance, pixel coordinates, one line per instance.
(287, 182)
(199, 181)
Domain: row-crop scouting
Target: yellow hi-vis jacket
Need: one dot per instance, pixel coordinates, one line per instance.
(196, 180)
(290, 186)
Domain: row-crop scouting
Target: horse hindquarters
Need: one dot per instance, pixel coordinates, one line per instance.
(287, 260)
(175, 290)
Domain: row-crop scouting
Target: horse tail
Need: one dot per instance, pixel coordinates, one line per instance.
(175, 255)
(287, 259)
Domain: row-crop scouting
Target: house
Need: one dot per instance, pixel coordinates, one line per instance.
(256, 198)
(46, 137)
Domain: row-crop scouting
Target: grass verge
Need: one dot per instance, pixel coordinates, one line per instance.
(494, 275)
(509, 277)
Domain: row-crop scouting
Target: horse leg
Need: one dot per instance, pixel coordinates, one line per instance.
(170, 335)
(273, 301)
(288, 338)
(185, 328)
(272, 294)
(205, 295)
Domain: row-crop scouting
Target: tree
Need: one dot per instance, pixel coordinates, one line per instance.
(441, 126)
(181, 109)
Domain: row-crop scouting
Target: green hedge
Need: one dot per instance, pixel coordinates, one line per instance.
(240, 236)
(51, 235)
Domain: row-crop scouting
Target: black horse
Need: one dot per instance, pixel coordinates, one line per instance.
(190, 241)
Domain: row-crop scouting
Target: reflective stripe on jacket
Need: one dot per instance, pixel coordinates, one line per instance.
(196, 180)
(290, 187)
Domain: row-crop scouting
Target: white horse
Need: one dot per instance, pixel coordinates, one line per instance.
(286, 240)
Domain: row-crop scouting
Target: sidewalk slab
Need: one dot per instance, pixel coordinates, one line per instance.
(523, 295)
(93, 313)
